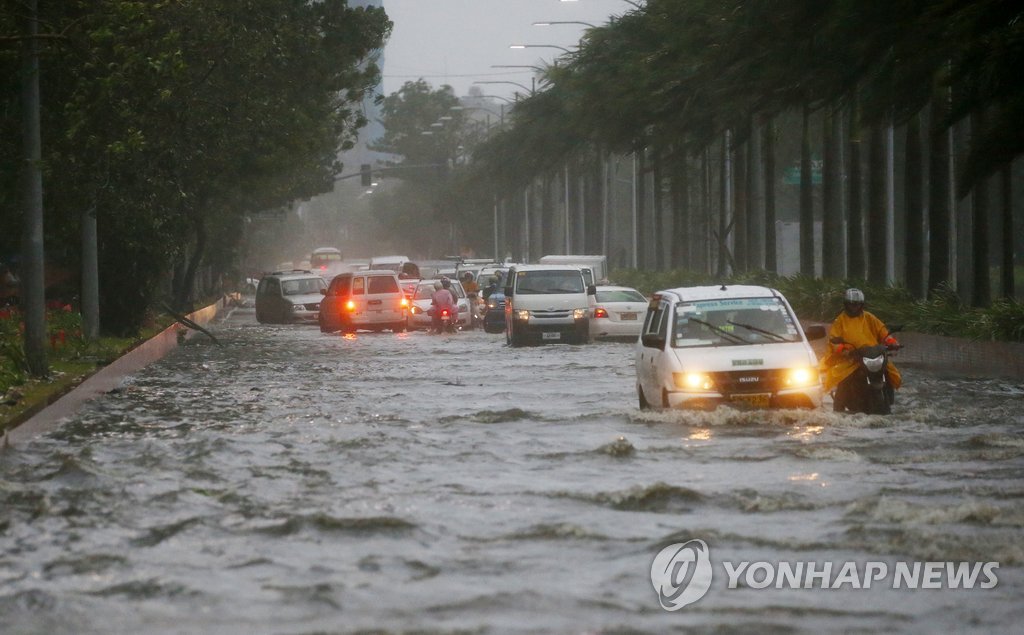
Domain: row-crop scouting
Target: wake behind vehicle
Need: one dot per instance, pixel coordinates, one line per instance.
(739, 345)
(868, 389)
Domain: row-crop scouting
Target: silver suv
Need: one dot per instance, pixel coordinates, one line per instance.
(289, 296)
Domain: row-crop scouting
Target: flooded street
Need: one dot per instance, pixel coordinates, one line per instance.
(295, 482)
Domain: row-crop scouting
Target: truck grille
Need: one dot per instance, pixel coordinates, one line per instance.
(748, 381)
(541, 315)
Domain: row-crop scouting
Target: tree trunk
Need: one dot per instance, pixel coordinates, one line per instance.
(913, 244)
(707, 211)
(938, 197)
(682, 228)
(90, 277)
(33, 283)
(806, 197)
(768, 148)
(643, 245)
(185, 299)
(723, 207)
(877, 206)
(855, 214)
(658, 209)
(739, 206)
(831, 210)
(981, 291)
(1006, 277)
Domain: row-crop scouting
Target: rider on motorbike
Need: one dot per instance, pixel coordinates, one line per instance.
(853, 329)
(442, 298)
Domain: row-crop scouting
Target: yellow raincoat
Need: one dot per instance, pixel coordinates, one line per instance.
(863, 330)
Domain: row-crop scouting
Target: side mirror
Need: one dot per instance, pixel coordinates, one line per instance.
(323, 291)
(592, 290)
(652, 340)
(508, 292)
(815, 332)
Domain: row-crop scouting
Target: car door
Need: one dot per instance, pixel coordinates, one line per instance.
(332, 305)
(650, 349)
(273, 301)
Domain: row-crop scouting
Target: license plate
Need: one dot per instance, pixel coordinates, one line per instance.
(551, 336)
(627, 316)
(760, 400)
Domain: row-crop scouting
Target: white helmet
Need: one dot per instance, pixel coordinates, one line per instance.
(853, 295)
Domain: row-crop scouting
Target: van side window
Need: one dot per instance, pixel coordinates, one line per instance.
(656, 322)
(340, 286)
(357, 285)
(273, 287)
(382, 284)
(262, 289)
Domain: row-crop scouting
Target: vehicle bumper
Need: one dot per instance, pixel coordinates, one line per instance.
(606, 329)
(793, 398)
(553, 330)
(304, 317)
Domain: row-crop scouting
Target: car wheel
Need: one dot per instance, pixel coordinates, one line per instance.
(517, 339)
(641, 399)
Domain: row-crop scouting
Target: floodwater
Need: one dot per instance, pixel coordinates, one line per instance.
(295, 482)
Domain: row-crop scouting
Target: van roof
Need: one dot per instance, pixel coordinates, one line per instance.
(717, 292)
(545, 268)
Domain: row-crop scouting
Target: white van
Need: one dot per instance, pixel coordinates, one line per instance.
(737, 344)
(594, 268)
(547, 303)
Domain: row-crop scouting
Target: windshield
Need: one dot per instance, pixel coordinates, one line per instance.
(620, 295)
(733, 322)
(548, 282)
(303, 286)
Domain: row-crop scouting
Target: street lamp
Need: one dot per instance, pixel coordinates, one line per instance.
(539, 46)
(530, 90)
(593, 26)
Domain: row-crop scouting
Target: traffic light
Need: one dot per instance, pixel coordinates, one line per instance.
(365, 176)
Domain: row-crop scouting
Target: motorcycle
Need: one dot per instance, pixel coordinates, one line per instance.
(445, 322)
(867, 389)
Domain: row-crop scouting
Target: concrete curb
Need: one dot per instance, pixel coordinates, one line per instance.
(107, 378)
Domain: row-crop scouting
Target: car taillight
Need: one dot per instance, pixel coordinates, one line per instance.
(600, 313)
(444, 313)
(350, 305)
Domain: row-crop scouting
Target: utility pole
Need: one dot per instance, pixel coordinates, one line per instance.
(33, 286)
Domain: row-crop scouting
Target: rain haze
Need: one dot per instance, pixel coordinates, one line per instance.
(457, 42)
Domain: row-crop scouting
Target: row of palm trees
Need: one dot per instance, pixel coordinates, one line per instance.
(700, 94)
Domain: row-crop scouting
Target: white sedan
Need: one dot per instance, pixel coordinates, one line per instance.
(618, 313)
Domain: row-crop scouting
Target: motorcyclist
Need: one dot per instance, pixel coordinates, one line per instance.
(442, 298)
(492, 286)
(856, 328)
(472, 290)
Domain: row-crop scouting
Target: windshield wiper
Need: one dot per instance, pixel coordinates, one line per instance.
(775, 336)
(735, 338)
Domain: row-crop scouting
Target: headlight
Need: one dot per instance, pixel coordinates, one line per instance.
(416, 310)
(297, 307)
(693, 381)
(799, 377)
(522, 314)
(579, 314)
(492, 305)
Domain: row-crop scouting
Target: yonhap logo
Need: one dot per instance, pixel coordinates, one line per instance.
(681, 574)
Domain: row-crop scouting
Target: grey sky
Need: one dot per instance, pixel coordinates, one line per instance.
(456, 41)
